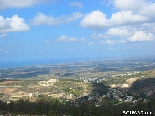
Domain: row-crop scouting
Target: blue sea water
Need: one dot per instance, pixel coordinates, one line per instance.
(23, 63)
(10, 64)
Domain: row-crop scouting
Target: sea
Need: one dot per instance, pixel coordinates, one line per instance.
(25, 63)
(54, 61)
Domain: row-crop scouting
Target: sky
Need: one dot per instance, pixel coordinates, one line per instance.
(51, 29)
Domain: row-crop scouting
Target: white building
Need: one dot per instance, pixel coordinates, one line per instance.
(48, 83)
(53, 80)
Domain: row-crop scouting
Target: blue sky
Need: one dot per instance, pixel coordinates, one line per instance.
(49, 29)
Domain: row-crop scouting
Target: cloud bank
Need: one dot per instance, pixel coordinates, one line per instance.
(76, 4)
(42, 19)
(20, 3)
(13, 24)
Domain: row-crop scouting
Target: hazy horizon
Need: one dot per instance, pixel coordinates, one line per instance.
(57, 61)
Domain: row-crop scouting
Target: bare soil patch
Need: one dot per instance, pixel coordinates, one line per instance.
(131, 80)
(6, 82)
(8, 90)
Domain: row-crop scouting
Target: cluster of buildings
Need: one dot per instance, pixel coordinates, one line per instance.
(117, 94)
(95, 98)
(128, 73)
(94, 80)
(103, 78)
(48, 83)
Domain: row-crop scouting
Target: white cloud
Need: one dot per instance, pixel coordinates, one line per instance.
(13, 24)
(127, 33)
(129, 4)
(118, 32)
(90, 43)
(144, 8)
(4, 23)
(121, 41)
(3, 35)
(130, 13)
(72, 17)
(132, 21)
(42, 19)
(141, 36)
(19, 3)
(101, 35)
(148, 11)
(42, 50)
(94, 20)
(98, 20)
(82, 39)
(102, 1)
(126, 18)
(65, 38)
(94, 36)
(3, 51)
(76, 4)
(149, 27)
(112, 49)
(109, 42)
(47, 42)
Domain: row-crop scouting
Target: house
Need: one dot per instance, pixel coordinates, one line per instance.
(49, 82)
(30, 95)
(53, 80)
(129, 97)
(120, 99)
(134, 101)
(85, 81)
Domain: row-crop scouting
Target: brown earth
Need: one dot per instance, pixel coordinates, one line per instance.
(131, 80)
(8, 90)
(6, 82)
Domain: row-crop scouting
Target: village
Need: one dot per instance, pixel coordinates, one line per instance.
(74, 82)
(116, 94)
(32, 92)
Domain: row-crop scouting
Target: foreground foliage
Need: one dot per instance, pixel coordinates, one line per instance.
(54, 107)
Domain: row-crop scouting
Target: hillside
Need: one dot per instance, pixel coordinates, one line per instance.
(141, 84)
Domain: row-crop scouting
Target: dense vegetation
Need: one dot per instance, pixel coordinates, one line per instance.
(54, 107)
(100, 88)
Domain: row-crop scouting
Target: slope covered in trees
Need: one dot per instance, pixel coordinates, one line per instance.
(54, 107)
